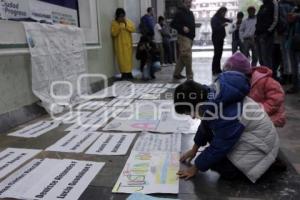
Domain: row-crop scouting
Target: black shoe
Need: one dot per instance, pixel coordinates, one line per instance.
(278, 166)
(292, 90)
(178, 77)
(153, 76)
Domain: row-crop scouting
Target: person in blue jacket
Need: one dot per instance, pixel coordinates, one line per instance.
(238, 146)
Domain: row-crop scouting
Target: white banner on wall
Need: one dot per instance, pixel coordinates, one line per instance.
(39, 11)
(11, 159)
(112, 144)
(53, 179)
(36, 130)
(74, 142)
(59, 60)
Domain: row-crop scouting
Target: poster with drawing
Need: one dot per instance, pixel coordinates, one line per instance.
(112, 144)
(154, 116)
(12, 158)
(58, 59)
(65, 179)
(74, 142)
(148, 173)
(36, 130)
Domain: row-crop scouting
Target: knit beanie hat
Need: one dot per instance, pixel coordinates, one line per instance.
(238, 62)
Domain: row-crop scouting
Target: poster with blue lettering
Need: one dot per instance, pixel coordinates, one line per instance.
(65, 179)
(149, 173)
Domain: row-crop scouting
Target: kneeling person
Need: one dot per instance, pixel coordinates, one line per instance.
(242, 139)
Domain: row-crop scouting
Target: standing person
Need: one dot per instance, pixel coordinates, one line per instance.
(184, 23)
(247, 35)
(235, 31)
(283, 29)
(158, 38)
(267, 19)
(294, 19)
(148, 23)
(121, 30)
(218, 24)
(166, 34)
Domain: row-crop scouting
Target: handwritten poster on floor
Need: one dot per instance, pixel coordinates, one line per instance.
(148, 173)
(12, 158)
(154, 116)
(112, 144)
(158, 142)
(74, 142)
(50, 179)
(36, 130)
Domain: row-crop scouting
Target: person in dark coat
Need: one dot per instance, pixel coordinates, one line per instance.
(267, 19)
(218, 24)
(184, 23)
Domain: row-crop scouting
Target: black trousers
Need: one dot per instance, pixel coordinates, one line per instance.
(225, 168)
(218, 52)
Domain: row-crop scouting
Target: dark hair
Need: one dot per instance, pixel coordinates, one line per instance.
(119, 13)
(149, 9)
(251, 8)
(188, 95)
(161, 18)
(221, 10)
(240, 15)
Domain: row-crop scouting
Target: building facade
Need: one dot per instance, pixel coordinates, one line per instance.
(204, 11)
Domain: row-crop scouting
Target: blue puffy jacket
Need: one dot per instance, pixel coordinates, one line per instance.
(222, 134)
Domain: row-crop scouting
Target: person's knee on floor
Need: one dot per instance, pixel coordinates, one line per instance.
(231, 129)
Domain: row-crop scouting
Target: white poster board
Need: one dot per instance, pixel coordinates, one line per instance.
(112, 144)
(50, 179)
(148, 173)
(74, 142)
(154, 116)
(149, 142)
(59, 60)
(36, 130)
(12, 158)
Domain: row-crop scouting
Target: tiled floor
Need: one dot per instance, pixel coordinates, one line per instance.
(284, 186)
